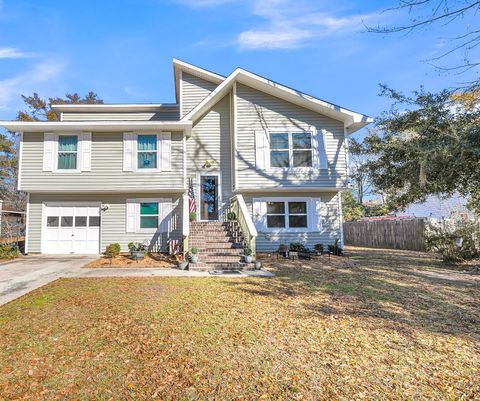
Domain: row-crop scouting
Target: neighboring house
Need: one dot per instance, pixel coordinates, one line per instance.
(119, 172)
(438, 207)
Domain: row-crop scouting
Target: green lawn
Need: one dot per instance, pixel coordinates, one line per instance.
(392, 328)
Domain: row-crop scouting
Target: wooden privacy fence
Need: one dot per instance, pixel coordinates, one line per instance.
(406, 234)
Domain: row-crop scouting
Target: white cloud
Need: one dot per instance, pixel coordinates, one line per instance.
(291, 24)
(10, 52)
(40, 74)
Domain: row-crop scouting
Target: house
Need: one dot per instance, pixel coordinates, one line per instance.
(120, 172)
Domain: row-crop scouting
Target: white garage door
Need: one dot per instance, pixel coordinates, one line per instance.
(71, 229)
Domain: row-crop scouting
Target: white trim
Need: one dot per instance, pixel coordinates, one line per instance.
(206, 173)
(20, 159)
(160, 216)
(184, 144)
(27, 225)
(233, 108)
(119, 107)
(76, 170)
(113, 126)
(71, 204)
(292, 188)
(180, 94)
(350, 118)
(125, 189)
(311, 221)
(340, 218)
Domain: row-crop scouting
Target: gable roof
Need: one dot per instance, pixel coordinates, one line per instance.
(353, 120)
(182, 66)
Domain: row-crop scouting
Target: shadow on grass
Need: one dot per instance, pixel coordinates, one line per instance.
(388, 285)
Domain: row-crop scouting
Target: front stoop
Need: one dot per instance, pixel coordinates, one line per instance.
(220, 246)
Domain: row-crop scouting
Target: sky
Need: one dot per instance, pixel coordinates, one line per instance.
(123, 49)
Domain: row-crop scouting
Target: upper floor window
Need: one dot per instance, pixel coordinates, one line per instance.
(67, 152)
(147, 151)
(293, 149)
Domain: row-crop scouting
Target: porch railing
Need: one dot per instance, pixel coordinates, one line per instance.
(185, 223)
(244, 220)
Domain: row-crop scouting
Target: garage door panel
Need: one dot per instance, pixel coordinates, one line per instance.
(71, 229)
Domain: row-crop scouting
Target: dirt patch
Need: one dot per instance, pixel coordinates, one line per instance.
(124, 260)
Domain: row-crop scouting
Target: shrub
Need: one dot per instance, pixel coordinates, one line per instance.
(297, 247)
(113, 250)
(192, 216)
(8, 251)
(248, 251)
(319, 247)
(136, 246)
(231, 216)
(442, 239)
(194, 251)
(335, 250)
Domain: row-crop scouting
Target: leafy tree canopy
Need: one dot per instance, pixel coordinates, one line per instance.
(428, 143)
(39, 109)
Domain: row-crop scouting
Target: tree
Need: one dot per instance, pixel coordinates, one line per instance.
(359, 174)
(423, 14)
(38, 109)
(429, 144)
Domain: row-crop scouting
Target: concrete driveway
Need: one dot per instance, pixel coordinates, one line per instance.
(23, 275)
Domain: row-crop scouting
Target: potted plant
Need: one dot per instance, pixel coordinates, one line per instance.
(258, 265)
(319, 249)
(193, 255)
(181, 262)
(248, 255)
(231, 216)
(137, 250)
(192, 216)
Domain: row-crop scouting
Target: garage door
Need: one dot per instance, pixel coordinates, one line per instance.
(71, 229)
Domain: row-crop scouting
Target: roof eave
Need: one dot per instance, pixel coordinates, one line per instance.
(114, 126)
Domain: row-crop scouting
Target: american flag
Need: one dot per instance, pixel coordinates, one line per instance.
(191, 197)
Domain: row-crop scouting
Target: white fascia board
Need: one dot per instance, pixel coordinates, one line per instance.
(179, 65)
(134, 107)
(41, 126)
(352, 120)
(287, 189)
(145, 190)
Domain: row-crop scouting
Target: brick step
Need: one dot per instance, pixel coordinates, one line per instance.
(220, 251)
(220, 247)
(219, 259)
(221, 266)
(199, 242)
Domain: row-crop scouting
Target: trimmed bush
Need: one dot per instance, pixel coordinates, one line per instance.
(113, 250)
(8, 251)
(335, 251)
(192, 216)
(297, 247)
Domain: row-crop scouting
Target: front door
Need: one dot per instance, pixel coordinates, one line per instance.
(208, 197)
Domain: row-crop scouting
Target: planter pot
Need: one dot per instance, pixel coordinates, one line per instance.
(183, 265)
(194, 259)
(258, 265)
(138, 255)
(248, 259)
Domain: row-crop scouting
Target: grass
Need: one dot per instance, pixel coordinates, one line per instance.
(399, 326)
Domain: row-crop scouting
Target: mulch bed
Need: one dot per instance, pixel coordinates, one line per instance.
(125, 261)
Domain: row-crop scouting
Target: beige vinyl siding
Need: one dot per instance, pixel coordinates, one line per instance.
(107, 168)
(259, 111)
(113, 220)
(193, 90)
(164, 115)
(330, 214)
(210, 141)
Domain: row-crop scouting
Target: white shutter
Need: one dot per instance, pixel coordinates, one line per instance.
(86, 151)
(165, 224)
(320, 150)
(166, 151)
(132, 216)
(128, 151)
(260, 214)
(315, 215)
(48, 151)
(262, 150)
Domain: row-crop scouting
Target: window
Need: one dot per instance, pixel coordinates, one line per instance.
(292, 149)
(80, 221)
(284, 214)
(94, 221)
(67, 152)
(52, 221)
(149, 215)
(147, 151)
